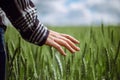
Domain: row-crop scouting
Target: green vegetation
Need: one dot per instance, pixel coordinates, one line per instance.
(98, 59)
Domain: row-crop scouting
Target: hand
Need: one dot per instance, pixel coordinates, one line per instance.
(57, 40)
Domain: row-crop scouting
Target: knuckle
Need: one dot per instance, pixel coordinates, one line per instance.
(66, 44)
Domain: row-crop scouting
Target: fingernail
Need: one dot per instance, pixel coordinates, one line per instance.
(73, 51)
(77, 48)
(64, 54)
(78, 42)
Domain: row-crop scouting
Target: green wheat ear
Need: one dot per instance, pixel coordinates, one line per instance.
(98, 59)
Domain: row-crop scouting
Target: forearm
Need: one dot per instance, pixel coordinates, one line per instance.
(22, 14)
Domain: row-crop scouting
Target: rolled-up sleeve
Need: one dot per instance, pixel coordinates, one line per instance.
(22, 14)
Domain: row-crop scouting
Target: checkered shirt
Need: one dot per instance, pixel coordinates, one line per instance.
(22, 14)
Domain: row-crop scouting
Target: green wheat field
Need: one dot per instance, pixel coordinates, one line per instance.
(98, 59)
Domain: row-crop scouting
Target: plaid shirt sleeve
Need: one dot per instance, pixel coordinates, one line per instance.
(22, 14)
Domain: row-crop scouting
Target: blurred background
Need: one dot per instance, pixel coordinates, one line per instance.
(78, 12)
(99, 55)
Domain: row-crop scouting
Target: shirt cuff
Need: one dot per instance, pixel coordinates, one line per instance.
(44, 39)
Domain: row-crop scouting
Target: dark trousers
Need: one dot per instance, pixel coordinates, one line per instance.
(2, 55)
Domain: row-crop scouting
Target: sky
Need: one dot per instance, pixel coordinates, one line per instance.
(78, 12)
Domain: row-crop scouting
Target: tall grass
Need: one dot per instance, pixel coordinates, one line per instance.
(98, 59)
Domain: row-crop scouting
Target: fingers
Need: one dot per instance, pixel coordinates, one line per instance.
(71, 38)
(51, 42)
(65, 44)
(59, 48)
(58, 40)
(70, 43)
